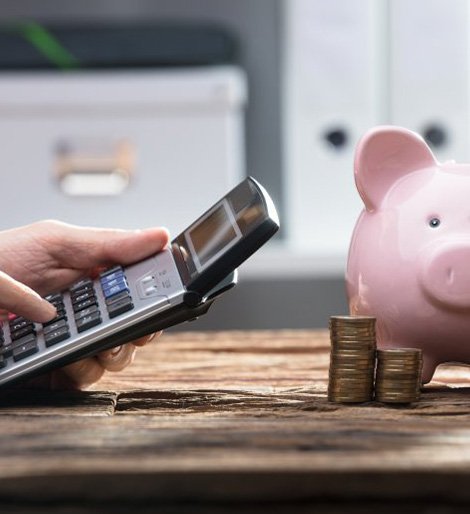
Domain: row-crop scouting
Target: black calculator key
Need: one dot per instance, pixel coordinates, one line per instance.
(61, 315)
(88, 322)
(19, 323)
(6, 351)
(80, 284)
(24, 340)
(25, 350)
(21, 332)
(58, 305)
(116, 298)
(84, 296)
(117, 308)
(57, 336)
(55, 326)
(86, 312)
(86, 303)
(82, 290)
(54, 298)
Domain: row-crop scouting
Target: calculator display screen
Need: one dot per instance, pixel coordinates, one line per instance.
(223, 237)
(212, 235)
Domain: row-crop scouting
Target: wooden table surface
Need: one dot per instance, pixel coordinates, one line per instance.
(229, 421)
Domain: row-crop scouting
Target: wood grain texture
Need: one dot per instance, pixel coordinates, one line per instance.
(202, 420)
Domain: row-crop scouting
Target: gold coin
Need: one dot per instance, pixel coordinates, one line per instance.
(352, 363)
(408, 397)
(394, 361)
(355, 344)
(397, 399)
(397, 368)
(364, 371)
(360, 388)
(400, 353)
(352, 353)
(350, 399)
(360, 334)
(352, 319)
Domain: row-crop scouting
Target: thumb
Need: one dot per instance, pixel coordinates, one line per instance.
(19, 299)
(83, 247)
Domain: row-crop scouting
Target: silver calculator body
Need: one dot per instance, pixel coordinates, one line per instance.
(124, 303)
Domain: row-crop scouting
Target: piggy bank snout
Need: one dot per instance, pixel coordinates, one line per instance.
(445, 274)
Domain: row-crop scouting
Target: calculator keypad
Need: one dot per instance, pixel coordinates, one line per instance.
(84, 315)
(116, 292)
(56, 330)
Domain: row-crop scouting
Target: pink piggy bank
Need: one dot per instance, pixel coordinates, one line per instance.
(409, 259)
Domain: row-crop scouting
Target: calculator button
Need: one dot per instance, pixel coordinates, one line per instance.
(57, 336)
(88, 322)
(82, 283)
(86, 303)
(120, 307)
(19, 323)
(114, 282)
(122, 286)
(106, 281)
(151, 291)
(6, 351)
(54, 298)
(110, 271)
(117, 298)
(21, 332)
(61, 315)
(25, 350)
(86, 312)
(148, 280)
(24, 340)
(84, 296)
(80, 292)
(54, 326)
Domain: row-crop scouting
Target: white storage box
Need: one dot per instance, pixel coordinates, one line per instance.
(119, 149)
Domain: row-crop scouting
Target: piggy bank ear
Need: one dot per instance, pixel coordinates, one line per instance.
(384, 155)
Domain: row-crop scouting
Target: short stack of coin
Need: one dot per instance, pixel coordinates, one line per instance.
(398, 378)
(352, 359)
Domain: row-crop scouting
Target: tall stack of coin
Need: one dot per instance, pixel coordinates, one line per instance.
(398, 377)
(352, 359)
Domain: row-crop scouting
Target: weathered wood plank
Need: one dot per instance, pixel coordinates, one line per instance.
(265, 360)
(234, 416)
(26, 402)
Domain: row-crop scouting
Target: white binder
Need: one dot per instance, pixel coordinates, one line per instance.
(429, 70)
(333, 74)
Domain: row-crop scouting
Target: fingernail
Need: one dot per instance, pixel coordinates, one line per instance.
(115, 351)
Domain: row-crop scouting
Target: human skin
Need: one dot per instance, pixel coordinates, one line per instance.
(49, 256)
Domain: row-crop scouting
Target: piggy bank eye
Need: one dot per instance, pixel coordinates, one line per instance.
(434, 222)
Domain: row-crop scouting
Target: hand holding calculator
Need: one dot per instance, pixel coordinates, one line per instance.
(127, 302)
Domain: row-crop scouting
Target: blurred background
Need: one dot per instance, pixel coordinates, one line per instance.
(132, 113)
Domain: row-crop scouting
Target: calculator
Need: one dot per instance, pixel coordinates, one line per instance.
(178, 284)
